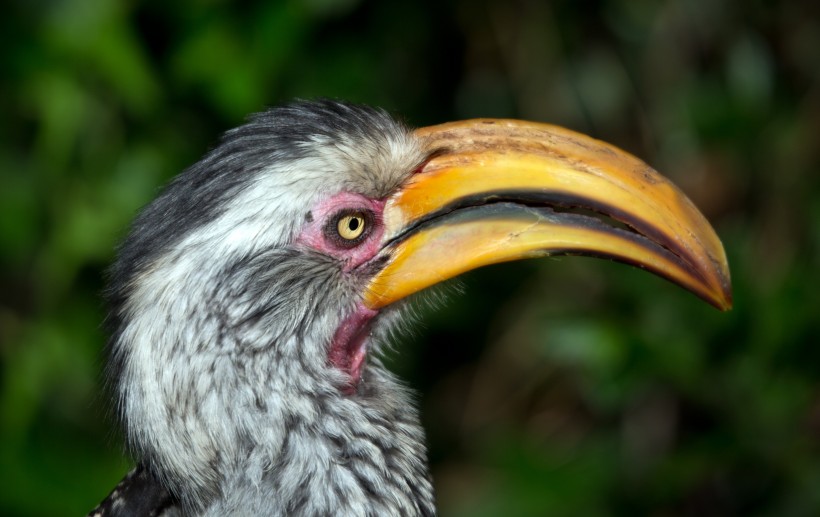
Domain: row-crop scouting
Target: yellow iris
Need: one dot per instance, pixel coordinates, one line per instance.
(351, 226)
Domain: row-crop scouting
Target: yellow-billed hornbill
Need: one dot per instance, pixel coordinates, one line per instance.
(251, 298)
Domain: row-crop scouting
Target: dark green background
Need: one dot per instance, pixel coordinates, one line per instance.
(563, 386)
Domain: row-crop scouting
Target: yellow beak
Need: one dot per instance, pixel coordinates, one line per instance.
(502, 190)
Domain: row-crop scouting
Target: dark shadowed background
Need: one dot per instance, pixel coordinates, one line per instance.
(561, 386)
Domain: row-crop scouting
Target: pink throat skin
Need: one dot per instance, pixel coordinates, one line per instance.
(348, 350)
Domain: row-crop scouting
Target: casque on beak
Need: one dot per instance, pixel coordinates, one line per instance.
(503, 190)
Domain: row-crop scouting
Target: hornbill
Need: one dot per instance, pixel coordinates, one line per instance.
(251, 299)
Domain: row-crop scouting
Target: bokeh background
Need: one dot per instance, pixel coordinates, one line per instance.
(561, 386)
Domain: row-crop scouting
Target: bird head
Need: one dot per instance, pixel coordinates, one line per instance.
(251, 297)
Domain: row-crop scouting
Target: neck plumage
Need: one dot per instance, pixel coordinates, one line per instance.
(359, 455)
(227, 397)
(301, 453)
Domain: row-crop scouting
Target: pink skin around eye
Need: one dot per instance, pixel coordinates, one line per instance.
(312, 234)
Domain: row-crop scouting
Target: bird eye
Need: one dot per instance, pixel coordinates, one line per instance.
(351, 226)
(348, 228)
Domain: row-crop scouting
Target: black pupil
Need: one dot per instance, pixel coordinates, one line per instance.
(353, 225)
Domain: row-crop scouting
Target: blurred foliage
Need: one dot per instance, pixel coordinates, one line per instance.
(568, 387)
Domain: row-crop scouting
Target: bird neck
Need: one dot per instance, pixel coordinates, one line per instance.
(345, 455)
(236, 415)
(299, 452)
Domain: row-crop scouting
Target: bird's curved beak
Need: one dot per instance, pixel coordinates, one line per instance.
(502, 190)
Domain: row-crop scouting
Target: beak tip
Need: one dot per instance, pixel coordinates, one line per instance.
(727, 302)
(721, 297)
